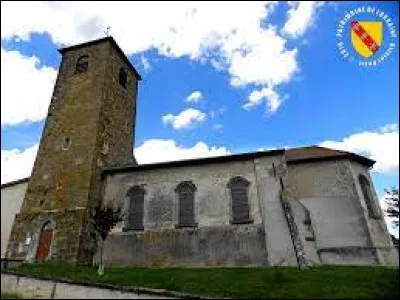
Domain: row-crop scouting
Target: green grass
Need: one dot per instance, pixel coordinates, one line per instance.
(319, 282)
(10, 296)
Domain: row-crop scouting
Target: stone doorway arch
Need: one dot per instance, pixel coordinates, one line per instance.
(44, 241)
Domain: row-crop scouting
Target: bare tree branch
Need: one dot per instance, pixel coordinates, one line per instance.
(103, 220)
(392, 201)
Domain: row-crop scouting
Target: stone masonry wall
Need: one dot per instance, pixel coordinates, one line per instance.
(380, 236)
(82, 134)
(215, 241)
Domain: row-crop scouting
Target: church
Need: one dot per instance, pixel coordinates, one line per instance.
(285, 207)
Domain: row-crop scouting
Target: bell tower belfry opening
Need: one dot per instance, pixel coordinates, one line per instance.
(89, 126)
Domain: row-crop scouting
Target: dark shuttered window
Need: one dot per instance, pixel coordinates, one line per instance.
(136, 203)
(373, 211)
(123, 77)
(186, 191)
(82, 64)
(240, 202)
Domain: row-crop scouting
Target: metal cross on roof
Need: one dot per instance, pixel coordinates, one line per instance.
(107, 31)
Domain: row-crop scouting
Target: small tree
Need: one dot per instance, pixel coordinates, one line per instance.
(103, 220)
(395, 241)
(392, 201)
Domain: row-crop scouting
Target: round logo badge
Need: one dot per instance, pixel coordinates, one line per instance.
(366, 36)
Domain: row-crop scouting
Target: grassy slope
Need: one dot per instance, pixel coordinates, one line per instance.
(320, 282)
(10, 296)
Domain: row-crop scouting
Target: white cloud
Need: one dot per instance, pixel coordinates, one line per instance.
(273, 148)
(271, 97)
(216, 113)
(185, 119)
(145, 63)
(381, 145)
(218, 128)
(253, 54)
(390, 128)
(25, 88)
(262, 60)
(17, 164)
(300, 17)
(159, 150)
(189, 28)
(194, 97)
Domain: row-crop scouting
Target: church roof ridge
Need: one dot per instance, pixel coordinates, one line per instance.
(193, 161)
(293, 155)
(317, 153)
(305, 154)
(14, 182)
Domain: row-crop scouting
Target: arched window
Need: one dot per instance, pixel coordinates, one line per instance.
(82, 64)
(186, 191)
(135, 213)
(122, 77)
(240, 202)
(66, 143)
(373, 211)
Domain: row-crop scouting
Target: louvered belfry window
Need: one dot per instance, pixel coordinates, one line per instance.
(82, 64)
(240, 202)
(136, 204)
(123, 77)
(186, 191)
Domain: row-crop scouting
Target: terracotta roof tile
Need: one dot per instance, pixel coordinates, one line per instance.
(314, 153)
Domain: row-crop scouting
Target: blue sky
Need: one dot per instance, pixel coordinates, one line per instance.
(265, 76)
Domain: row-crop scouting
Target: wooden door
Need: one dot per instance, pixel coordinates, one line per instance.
(44, 245)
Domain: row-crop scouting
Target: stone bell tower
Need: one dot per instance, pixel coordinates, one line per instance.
(90, 125)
